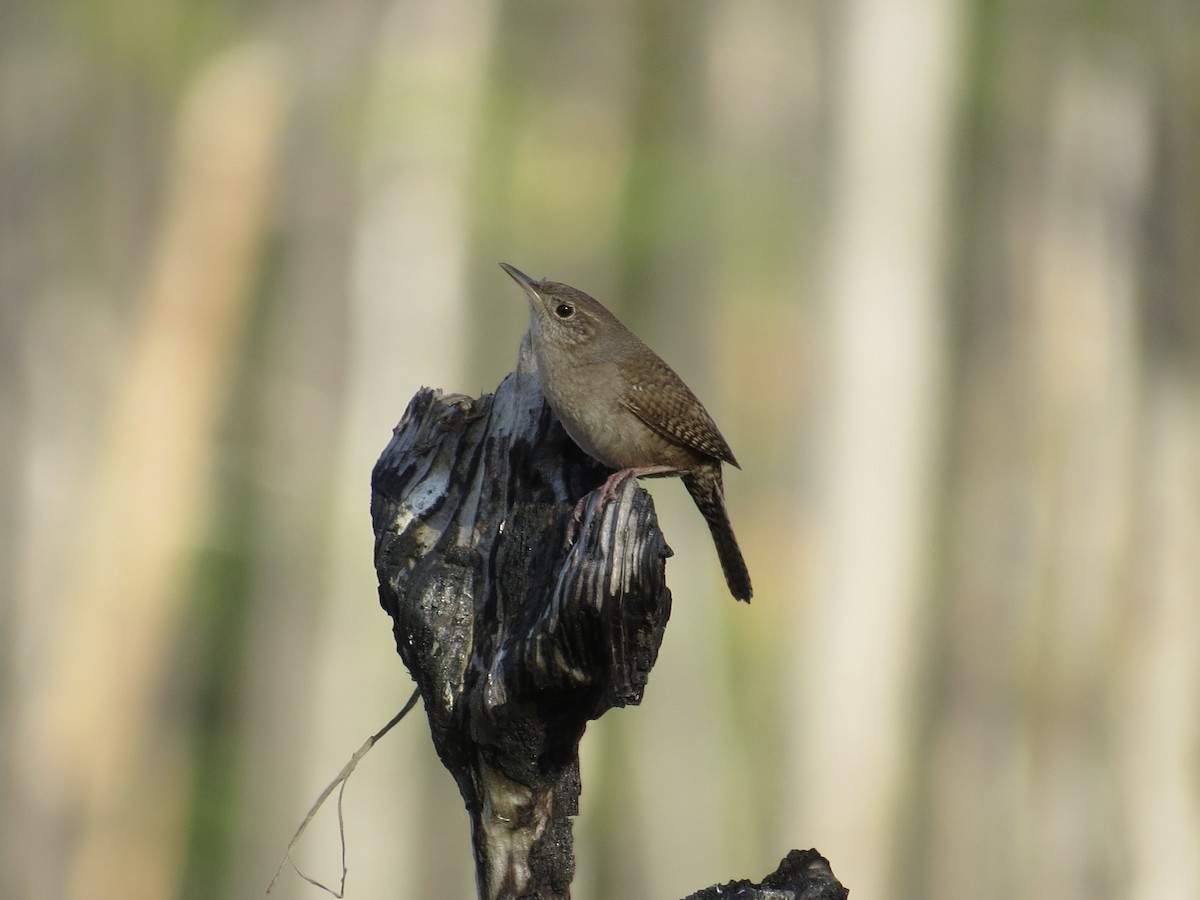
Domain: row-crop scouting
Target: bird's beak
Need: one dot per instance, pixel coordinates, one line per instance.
(524, 281)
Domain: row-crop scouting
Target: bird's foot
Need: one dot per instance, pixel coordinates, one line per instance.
(608, 490)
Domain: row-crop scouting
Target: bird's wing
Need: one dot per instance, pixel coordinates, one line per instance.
(660, 399)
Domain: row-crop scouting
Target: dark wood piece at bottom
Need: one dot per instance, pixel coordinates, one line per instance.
(802, 875)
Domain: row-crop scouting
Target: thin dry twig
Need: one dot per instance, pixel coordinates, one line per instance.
(341, 779)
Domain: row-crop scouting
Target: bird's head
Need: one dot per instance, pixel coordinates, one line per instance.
(561, 316)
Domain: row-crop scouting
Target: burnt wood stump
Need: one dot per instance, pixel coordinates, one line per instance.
(515, 637)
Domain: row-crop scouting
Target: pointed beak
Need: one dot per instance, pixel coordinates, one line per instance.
(523, 280)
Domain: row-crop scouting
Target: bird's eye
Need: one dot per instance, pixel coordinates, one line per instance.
(564, 310)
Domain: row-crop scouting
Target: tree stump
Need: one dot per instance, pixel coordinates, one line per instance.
(516, 638)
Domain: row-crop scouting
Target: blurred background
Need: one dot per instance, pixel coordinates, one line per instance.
(932, 266)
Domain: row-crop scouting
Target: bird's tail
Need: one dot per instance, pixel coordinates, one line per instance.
(707, 490)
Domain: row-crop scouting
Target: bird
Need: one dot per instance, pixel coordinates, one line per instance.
(626, 408)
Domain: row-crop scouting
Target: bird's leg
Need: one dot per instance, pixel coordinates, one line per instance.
(609, 489)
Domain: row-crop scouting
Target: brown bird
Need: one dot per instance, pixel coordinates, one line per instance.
(627, 408)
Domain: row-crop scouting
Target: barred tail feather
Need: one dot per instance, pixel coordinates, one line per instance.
(707, 491)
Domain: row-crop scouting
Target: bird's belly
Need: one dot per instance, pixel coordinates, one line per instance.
(600, 440)
(620, 440)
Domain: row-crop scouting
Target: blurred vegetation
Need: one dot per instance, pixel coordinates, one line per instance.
(932, 266)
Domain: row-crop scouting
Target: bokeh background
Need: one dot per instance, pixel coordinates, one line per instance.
(932, 265)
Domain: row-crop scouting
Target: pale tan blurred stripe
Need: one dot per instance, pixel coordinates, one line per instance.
(1157, 708)
(1081, 358)
(1041, 529)
(97, 757)
(859, 663)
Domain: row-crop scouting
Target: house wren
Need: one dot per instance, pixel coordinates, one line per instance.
(627, 408)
